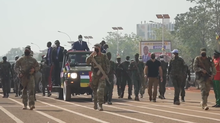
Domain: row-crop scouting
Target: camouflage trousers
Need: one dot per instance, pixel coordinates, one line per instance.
(205, 85)
(98, 86)
(28, 91)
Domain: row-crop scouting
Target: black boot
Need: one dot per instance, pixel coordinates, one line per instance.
(183, 100)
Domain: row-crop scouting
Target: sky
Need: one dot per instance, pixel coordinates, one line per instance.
(24, 22)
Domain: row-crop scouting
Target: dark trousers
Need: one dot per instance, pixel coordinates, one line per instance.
(6, 86)
(45, 79)
(56, 75)
(126, 79)
(162, 86)
(177, 83)
(119, 79)
(183, 84)
(17, 86)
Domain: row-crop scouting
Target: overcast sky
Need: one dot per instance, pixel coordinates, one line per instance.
(37, 21)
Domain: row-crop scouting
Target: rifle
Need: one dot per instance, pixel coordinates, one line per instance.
(138, 71)
(100, 69)
(206, 75)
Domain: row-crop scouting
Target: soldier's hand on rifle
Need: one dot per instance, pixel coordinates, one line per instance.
(32, 70)
(204, 71)
(211, 78)
(93, 53)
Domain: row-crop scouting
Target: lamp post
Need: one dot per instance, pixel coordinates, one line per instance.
(163, 16)
(88, 37)
(65, 34)
(36, 45)
(117, 28)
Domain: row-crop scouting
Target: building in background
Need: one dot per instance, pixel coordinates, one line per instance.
(146, 30)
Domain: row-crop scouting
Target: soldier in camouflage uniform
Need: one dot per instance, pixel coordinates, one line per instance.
(45, 69)
(176, 70)
(144, 83)
(27, 66)
(205, 71)
(126, 77)
(110, 86)
(16, 80)
(137, 69)
(162, 85)
(5, 76)
(98, 80)
(186, 72)
(119, 75)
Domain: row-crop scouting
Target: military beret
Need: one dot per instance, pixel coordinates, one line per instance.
(203, 49)
(97, 45)
(137, 54)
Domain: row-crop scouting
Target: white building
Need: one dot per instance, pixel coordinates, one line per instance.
(146, 30)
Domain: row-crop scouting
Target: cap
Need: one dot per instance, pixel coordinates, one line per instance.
(175, 51)
(97, 45)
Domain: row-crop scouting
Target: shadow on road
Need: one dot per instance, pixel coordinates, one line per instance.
(50, 110)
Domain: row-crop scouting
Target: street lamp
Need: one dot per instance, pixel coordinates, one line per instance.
(65, 34)
(163, 16)
(88, 37)
(117, 28)
(36, 45)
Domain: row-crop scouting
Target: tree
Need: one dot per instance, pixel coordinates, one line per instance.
(128, 44)
(14, 52)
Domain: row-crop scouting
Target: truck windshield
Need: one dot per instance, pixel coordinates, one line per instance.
(78, 59)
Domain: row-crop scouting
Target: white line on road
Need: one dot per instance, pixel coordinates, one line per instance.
(80, 114)
(169, 118)
(176, 107)
(11, 115)
(119, 115)
(44, 114)
(191, 115)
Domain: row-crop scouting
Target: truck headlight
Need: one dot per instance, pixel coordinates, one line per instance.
(72, 75)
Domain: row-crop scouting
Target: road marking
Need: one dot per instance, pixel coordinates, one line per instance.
(184, 121)
(191, 115)
(119, 115)
(80, 114)
(11, 115)
(176, 107)
(44, 114)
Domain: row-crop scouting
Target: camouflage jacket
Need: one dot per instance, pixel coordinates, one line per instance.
(102, 60)
(176, 66)
(5, 70)
(137, 68)
(125, 68)
(25, 63)
(204, 64)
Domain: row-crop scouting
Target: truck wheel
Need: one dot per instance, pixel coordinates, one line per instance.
(40, 86)
(60, 94)
(66, 92)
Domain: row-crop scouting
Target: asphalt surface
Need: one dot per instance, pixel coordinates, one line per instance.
(80, 110)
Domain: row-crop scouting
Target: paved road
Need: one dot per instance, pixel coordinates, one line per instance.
(80, 110)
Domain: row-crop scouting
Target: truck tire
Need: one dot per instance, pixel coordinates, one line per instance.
(66, 92)
(60, 94)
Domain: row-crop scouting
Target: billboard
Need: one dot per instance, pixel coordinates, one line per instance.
(147, 47)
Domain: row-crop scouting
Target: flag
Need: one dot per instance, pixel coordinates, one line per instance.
(67, 66)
